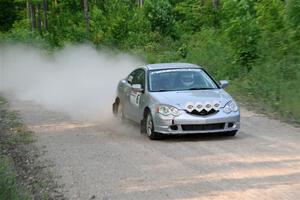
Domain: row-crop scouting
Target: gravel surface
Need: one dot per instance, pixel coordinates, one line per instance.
(107, 160)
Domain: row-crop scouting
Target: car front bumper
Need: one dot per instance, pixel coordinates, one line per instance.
(188, 124)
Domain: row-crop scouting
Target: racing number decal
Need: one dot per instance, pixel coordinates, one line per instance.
(135, 98)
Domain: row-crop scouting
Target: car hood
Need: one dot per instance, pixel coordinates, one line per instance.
(179, 99)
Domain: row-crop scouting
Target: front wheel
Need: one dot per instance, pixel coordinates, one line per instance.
(149, 127)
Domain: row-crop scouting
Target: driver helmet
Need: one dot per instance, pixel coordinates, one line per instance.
(187, 79)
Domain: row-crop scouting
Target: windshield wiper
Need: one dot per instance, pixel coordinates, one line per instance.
(161, 90)
(201, 88)
(195, 88)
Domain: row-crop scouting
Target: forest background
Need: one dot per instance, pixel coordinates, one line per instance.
(253, 43)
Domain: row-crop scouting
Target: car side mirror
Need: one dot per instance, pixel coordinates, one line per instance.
(224, 83)
(129, 79)
(137, 88)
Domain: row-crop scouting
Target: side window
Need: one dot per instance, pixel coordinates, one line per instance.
(142, 79)
(130, 76)
(139, 78)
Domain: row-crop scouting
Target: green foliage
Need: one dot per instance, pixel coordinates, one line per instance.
(139, 31)
(241, 31)
(192, 15)
(293, 12)
(188, 15)
(208, 50)
(69, 25)
(270, 18)
(163, 49)
(9, 189)
(275, 83)
(270, 15)
(97, 25)
(117, 16)
(8, 14)
(159, 13)
(254, 42)
(20, 33)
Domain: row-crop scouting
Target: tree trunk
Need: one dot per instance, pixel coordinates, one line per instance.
(216, 4)
(140, 3)
(86, 15)
(201, 3)
(29, 13)
(32, 15)
(45, 8)
(39, 20)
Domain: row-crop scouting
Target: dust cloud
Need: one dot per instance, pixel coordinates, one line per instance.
(77, 80)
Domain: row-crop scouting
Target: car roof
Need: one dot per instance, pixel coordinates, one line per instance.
(158, 66)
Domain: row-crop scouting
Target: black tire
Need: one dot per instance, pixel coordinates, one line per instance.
(149, 127)
(118, 111)
(143, 126)
(230, 133)
(115, 109)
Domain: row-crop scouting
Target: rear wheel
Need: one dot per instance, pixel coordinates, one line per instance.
(121, 115)
(149, 127)
(118, 111)
(230, 133)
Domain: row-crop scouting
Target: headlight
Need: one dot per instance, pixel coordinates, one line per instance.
(174, 111)
(168, 110)
(231, 106)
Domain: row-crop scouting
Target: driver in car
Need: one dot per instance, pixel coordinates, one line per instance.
(186, 80)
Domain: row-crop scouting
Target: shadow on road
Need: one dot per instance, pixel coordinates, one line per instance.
(198, 137)
(134, 127)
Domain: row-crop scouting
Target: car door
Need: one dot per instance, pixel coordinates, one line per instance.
(127, 94)
(134, 96)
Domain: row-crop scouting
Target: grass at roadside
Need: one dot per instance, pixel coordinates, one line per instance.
(22, 176)
(259, 105)
(9, 187)
(12, 132)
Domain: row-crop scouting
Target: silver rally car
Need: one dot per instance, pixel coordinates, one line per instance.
(176, 98)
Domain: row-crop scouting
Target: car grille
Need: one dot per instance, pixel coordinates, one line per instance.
(203, 112)
(202, 127)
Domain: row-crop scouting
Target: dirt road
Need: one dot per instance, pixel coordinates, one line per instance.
(111, 161)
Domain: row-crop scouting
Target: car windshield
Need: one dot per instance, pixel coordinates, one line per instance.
(180, 79)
